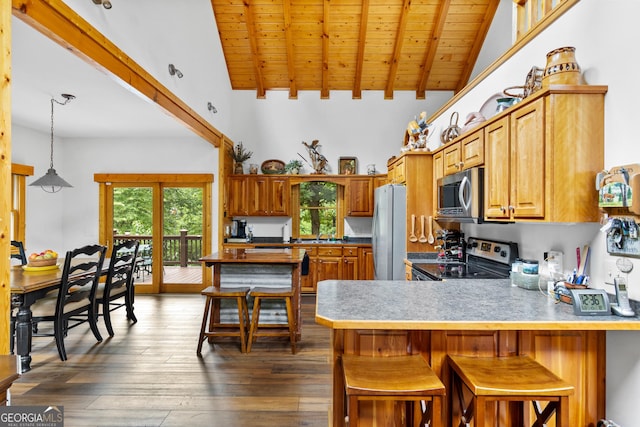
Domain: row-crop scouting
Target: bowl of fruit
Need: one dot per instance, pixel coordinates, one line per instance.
(43, 259)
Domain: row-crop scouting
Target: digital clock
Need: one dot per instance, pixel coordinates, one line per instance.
(590, 302)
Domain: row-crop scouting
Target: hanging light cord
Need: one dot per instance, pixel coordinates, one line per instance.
(67, 99)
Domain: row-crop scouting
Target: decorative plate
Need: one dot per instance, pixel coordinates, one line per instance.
(272, 166)
(43, 268)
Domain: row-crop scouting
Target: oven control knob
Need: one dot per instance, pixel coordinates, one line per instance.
(497, 249)
(503, 254)
(472, 244)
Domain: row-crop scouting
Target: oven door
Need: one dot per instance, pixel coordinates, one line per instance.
(417, 276)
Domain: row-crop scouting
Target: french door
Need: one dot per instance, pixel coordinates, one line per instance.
(170, 216)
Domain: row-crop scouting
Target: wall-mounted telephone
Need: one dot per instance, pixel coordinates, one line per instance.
(623, 308)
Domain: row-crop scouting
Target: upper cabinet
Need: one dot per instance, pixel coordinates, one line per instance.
(237, 196)
(268, 196)
(515, 165)
(542, 157)
(359, 196)
(464, 154)
(258, 195)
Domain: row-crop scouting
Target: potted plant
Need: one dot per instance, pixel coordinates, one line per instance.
(293, 167)
(239, 155)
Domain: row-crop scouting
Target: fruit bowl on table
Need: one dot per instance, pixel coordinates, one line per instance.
(46, 262)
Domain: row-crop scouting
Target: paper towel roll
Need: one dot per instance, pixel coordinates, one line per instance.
(286, 234)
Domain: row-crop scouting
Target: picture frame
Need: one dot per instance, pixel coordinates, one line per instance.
(348, 165)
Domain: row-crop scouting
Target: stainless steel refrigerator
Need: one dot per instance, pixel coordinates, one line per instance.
(389, 232)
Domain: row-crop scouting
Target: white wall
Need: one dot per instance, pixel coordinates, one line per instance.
(69, 218)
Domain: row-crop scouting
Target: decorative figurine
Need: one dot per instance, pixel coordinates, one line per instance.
(318, 161)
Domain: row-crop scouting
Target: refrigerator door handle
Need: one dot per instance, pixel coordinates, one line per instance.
(374, 237)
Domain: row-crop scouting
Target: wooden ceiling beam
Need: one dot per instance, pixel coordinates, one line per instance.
(257, 69)
(477, 44)
(286, 10)
(362, 39)
(430, 53)
(397, 49)
(57, 21)
(324, 91)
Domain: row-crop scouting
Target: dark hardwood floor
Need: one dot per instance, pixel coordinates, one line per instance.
(148, 374)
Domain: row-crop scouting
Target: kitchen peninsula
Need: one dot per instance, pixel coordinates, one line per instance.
(472, 317)
(260, 267)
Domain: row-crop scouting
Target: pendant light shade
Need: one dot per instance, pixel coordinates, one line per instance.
(51, 182)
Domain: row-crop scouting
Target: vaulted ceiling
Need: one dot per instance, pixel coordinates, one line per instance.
(355, 45)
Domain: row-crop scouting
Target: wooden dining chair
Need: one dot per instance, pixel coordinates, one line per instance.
(74, 302)
(18, 253)
(119, 283)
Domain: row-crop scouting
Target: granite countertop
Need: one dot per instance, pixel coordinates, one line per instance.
(474, 304)
(277, 242)
(255, 256)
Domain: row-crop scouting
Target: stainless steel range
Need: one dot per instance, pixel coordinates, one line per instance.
(480, 259)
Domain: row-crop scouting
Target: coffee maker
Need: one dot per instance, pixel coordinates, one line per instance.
(238, 228)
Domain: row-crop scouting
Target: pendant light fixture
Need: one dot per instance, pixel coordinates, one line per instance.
(51, 182)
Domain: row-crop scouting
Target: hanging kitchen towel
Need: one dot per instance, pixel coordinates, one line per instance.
(305, 265)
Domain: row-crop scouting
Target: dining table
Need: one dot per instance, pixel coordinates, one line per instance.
(29, 284)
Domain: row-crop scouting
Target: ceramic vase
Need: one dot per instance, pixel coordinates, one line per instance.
(562, 68)
(238, 168)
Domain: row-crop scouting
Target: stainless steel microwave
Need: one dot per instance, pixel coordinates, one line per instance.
(460, 196)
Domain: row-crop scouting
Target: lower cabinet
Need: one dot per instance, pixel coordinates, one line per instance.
(365, 261)
(337, 263)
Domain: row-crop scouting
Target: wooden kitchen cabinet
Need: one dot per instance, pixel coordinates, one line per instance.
(464, 154)
(497, 173)
(365, 267)
(397, 171)
(259, 195)
(350, 265)
(359, 196)
(417, 167)
(329, 263)
(336, 262)
(438, 172)
(238, 200)
(542, 157)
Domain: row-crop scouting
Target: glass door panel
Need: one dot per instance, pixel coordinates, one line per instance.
(133, 219)
(182, 229)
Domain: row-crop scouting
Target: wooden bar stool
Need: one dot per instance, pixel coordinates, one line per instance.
(401, 378)
(211, 316)
(272, 329)
(513, 379)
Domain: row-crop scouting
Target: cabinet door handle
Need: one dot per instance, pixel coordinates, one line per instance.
(512, 208)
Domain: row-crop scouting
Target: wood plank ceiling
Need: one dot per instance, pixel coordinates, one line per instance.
(356, 45)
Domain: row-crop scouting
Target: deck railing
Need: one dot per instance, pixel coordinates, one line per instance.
(182, 250)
